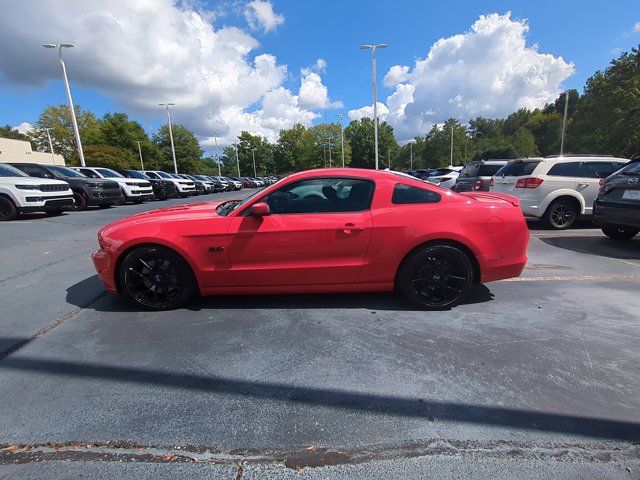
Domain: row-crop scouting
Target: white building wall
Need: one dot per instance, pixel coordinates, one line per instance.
(20, 151)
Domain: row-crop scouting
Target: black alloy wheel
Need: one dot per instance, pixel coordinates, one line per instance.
(561, 215)
(79, 203)
(436, 277)
(156, 278)
(620, 233)
(7, 209)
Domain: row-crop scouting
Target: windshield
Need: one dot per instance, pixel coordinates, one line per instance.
(136, 174)
(107, 173)
(62, 172)
(631, 169)
(164, 175)
(9, 171)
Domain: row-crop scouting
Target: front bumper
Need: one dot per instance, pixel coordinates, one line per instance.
(104, 266)
(605, 214)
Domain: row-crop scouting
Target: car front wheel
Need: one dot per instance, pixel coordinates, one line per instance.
(620, 233)
(7, 209)
(436, 277)
(561, 214)
(156, 278)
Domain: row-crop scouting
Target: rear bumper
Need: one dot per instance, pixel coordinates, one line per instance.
(614, 215)
(106, 269)
(493, 273)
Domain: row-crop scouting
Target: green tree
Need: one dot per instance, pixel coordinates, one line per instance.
(607, 118)
(360, 136)
(58, 119)
(188, 151)
(118, 131)
(296, 149)
(106, 156)
(437, 148)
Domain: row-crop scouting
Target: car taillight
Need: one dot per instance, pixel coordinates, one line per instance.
(602, 182)
(528, 182)
(491, 183)
(478, 185)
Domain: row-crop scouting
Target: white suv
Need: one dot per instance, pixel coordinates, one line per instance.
(20, 193)
(134, 190)
(556, 189)
(185, 187)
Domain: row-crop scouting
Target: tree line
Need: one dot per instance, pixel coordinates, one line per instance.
(605, 119)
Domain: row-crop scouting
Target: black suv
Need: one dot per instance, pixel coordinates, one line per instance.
(617, 208)
(476, 175)
(162, 189)
(86, 191)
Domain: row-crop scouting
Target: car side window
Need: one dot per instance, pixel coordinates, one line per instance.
(89, 173)
(322, 195)
(407, 194)
(565, 169)
(596, 169)
(39, 172)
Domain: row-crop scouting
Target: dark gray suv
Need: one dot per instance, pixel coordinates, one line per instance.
(617, 208)
(476, 175)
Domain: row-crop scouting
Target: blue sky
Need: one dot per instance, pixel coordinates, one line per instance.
(587, 34)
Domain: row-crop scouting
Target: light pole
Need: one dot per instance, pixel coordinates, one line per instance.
(411, 155)
(237, 158)
(373, 49)
(215, 138)
(564, 120)
(340, 115)
(329, 140)
(451, 160)
(140, 153)
(53, 158)
(76, 131)
(253, 155)
(173, 148)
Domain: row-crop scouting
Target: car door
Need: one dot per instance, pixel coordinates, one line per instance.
(588, 181)
(317, 232)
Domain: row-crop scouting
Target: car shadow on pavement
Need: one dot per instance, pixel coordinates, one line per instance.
(601, 246)
(422, 408)
(88, 294)
(535, 224)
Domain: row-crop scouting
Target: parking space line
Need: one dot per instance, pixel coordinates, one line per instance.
(570, 278)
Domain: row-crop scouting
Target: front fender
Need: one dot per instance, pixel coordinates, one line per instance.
(563, 192)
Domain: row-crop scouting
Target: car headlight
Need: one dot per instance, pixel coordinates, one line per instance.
(27, 187)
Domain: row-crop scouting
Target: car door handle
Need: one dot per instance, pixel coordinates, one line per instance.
(583, 185)
(350, 228)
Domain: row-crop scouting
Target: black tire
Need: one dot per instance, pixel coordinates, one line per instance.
(104, 205)
(7, 210)
(79, 203)
(561, 214)
(436, 277)
(156, 278)
(620, 233)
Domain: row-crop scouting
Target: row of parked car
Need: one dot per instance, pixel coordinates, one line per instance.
(557, 189)
(32, 187)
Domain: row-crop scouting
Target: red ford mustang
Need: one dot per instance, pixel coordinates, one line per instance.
(331, 230)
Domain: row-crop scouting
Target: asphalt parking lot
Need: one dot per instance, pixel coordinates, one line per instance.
(538, 374)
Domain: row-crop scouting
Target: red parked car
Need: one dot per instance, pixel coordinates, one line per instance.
(331, 230)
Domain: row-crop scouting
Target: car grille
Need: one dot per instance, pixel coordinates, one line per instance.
(110, 185)
(53, 188)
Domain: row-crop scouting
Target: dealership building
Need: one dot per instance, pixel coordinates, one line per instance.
(19, 151)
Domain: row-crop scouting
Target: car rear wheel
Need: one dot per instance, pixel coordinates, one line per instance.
(620, 233)
(156, 278)
(7, 209)
(436, 277)
(79, 203)
(561, 214)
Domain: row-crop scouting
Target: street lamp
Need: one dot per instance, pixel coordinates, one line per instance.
(373, 49)
(411, 154)
(237, 158)
(564, 121)
(173, 148)
(253, 154)
(140, 153)
(215, 138)
(340, 115)
(53, 158)
(329, 140)
(76, 131)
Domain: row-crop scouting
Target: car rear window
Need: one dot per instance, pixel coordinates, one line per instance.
(407, 194)
(517, 169)
(470, 170)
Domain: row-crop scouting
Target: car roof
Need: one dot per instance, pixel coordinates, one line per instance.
(583, 158)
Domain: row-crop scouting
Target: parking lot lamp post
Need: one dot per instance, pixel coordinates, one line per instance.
(451, 159)
(140, 153)
(341, 137)
(173, 148)
(564, 121)
(373, 49)
(253, 155)
(329, 140)
(237, 158)
(215, 139)
(76, 131)
(411, 155)
(53, 158)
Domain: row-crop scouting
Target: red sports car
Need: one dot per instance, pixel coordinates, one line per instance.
(330, 230)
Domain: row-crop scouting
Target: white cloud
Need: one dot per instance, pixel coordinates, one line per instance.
(149, 51)
(488, 71)
(24, 128)
(313, 94)
(636, 27)
(260, 15)
(367, 111)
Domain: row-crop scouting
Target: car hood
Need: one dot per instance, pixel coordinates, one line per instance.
(32, 181)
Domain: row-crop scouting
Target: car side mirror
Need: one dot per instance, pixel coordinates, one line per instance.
(260, 209)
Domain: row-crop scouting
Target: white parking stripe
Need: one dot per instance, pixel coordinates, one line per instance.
(572, 278)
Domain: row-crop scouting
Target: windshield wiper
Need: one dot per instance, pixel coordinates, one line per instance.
(630, 173)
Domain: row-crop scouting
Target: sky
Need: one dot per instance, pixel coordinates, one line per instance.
(261, 65)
